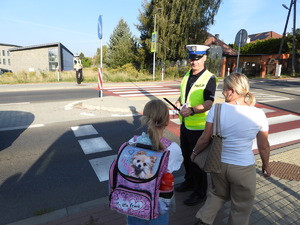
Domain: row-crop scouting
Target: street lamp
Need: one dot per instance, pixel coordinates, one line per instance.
(155, 41)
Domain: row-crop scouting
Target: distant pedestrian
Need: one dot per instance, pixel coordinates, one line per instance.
(78, 67)
(240, 123)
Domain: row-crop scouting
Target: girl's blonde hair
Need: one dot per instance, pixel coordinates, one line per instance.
(240, 83)
(155, 117)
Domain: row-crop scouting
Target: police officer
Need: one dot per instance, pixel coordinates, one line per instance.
(78, 67)
(197, 93)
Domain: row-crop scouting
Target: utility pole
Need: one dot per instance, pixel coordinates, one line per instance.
(293, 2)
(294, 40)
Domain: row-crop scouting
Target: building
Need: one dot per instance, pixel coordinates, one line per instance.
(5, 59)
(263, 36)
(37, 58)
(214, 40)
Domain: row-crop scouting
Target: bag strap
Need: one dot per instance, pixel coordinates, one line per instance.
(217, 124)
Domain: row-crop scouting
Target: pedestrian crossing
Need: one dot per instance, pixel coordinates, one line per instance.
(160, 90)
(142, 91)
(284, 130)
(91, 145)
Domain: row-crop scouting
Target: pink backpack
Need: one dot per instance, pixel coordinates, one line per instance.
(135, 177)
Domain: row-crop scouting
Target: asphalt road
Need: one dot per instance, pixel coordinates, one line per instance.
(42, 162)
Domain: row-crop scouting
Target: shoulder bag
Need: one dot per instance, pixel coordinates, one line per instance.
(209, 159)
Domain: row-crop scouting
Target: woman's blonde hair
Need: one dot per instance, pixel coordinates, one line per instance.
(240, 83)
(155, 117)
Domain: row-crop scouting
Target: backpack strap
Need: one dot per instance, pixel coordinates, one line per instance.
(135, 137)
(166, 142)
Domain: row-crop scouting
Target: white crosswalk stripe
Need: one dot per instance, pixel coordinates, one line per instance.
(278, 137)
(283, 119)
(143, 91)
(84, 130)
(162, 90)
(282, 137)
(94, 145)
(101, 166)
(261, 97)
(292, 90)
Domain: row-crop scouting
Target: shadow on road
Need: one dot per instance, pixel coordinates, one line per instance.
(14, 123)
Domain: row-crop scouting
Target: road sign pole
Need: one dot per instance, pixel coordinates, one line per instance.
(240, 41)
(100, 71)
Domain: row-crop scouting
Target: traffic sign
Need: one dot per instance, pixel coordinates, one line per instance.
(241, 38)
(100, 27)
(153, 42)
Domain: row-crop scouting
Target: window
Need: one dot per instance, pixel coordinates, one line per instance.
(3, 52)
(8, 53)
(4, 63)
(53, 58)
(0, 61)
(8, 61)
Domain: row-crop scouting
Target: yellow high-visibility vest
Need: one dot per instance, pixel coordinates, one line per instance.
(194, 98)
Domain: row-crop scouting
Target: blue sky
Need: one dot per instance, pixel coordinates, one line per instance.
(74, 23)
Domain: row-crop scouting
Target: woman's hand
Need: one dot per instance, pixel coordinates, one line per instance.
(193, 156)
(266, 170)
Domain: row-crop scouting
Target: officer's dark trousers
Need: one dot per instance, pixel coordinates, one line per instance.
(79, 76)
(193, 174)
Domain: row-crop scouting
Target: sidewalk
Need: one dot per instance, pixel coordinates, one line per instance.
(277, 202)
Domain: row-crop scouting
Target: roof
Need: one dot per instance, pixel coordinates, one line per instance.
(263, 36)
(213, 40)
(55, 44)
(9, 45)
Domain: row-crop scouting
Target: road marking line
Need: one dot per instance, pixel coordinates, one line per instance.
(22, 127)
(125, 115)
(102, 165)
(71, 105)
(267, 110)
(261, 97)
(17, 103)
(87, 114)
(282, 119)
(94, 145)
(177, 121)
(84, 130)
(143, 91)
(133, 87)
(134, 95)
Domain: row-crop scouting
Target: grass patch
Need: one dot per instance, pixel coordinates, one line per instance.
(42, 211)
(89, 74)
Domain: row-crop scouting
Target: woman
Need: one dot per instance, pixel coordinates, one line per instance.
(156, 118)
(241, 123)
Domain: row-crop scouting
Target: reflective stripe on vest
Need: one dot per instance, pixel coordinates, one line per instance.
(194, 98)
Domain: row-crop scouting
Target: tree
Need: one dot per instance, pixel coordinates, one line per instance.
(178, 23)
(121, 47)
(96, 58)
(86, 61)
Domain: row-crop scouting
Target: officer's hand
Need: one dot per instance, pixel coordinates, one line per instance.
(185, 112)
